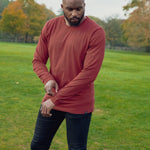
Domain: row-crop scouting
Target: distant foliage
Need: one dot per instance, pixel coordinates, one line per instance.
(13, 19)
(137, 27)
(97, 20)
(22, 20)
(25, 18)
(113, 30)
(3, 4)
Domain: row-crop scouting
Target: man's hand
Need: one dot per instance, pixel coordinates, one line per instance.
(49, 86)
(46, 107)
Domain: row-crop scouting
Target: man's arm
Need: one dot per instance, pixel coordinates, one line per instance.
(41, 57)
(88, 74)
(39, 66)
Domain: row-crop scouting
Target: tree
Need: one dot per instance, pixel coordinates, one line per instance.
(25, 18)
(13, 19)
(3, 4)
(37, 15)
(97, 20)
(113, 30)
(137, 27)
(50, 14)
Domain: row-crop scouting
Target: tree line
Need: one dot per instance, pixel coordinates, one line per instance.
(22, 20)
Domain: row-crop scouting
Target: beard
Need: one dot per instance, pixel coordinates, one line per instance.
(74, 21)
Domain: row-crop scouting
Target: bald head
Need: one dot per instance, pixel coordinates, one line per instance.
(73, 3)
(66, 1)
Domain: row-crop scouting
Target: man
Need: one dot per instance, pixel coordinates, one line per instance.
(75, 46)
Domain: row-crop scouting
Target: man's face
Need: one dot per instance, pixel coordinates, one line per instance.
(73, 11)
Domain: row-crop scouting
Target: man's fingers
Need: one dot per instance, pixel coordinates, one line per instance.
(48, 113)
(49, 87)
(45, 112)
(50, 93)
(56, 87)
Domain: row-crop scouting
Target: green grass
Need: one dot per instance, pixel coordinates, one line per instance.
(121, 120)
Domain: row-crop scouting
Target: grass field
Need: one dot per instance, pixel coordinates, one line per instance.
(121, 120)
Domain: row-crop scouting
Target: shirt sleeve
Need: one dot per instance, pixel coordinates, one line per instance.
(41, 57)
(92, 64)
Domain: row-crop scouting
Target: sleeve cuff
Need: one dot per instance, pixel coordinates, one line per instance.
(54, 100)
(46, 80)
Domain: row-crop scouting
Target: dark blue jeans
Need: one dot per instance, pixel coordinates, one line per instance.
(77, 130)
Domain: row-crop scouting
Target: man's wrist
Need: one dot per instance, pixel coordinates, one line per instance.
(51, 102)
(47, 80)
(54, 100)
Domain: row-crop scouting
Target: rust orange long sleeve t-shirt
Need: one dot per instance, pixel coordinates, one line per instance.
(76, 55)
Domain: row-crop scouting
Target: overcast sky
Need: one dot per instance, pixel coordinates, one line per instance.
(98, 8)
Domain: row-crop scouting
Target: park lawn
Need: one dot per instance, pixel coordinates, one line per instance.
(121, 120)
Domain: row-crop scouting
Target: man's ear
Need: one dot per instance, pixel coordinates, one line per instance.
(62, 6)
